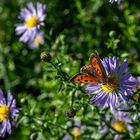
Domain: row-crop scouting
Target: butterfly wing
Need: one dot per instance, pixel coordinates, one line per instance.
(91, 73)
(89, 70)
(98, 66)
(95, 68)
(84, 78)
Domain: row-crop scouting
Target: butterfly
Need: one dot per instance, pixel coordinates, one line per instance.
(92, 73)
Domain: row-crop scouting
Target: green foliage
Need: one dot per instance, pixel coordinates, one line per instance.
(73, 30)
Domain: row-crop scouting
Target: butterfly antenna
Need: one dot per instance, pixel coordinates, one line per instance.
(97, 54)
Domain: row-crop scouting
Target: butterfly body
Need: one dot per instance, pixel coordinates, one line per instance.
(92, 73)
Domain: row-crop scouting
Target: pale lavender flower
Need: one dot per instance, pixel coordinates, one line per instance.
(32, 18)
(118, 86)
(129, 106)
(118, 1)
(120, 121)
(78, 129)
(37, 40)
(8, 112)
(67, 137)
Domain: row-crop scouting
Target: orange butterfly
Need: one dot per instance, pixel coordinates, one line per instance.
(92, 73)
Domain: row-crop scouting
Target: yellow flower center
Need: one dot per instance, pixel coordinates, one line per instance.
(76, 132)
(119, 126)
(108, 88)
(32, 22)
(4, 112)
(37, 40)
(111, 85)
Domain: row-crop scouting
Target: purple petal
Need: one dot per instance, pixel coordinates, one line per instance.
(125, 77)
(32, 9)
(122, 68)
(41, 11)
(3, 128)
(96, 97)
(9, 99)
(20, 28)
(2, 98)
(122, 95)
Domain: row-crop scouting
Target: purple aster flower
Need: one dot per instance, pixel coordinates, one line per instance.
(32, 18)
(118, 85)
(37, 40)
(8, 111)
(136, 96)
(77, 130)
(131, 105)
(118, 1)
(119, 121)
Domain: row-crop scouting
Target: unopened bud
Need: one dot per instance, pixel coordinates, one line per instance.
(45, 56)
(70, 113)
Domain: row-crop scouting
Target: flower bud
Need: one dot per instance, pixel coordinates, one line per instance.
(45, 56)
(70, 113)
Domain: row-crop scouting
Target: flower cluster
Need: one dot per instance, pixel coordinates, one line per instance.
(8, 112)
(32, 18)
(113, 93)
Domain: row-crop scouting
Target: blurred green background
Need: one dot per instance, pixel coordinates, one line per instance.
(73, 30)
